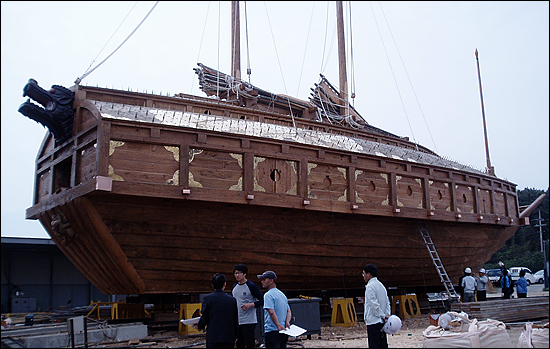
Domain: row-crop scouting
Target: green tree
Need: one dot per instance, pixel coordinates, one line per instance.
(523, 249)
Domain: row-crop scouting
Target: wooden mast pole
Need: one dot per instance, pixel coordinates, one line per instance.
(235, 41)
(489, 167)
(342, 59)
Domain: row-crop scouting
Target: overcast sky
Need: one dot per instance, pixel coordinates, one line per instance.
(414, 70)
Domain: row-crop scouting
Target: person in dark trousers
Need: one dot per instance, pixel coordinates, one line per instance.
(521, 285)
(219, 316)
(249, 298)
(482, 281)
(506, 284)
(469, 284)
(377, 307)
(277, 312)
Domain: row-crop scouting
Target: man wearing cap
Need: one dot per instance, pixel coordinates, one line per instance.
(377, 307)
(469, 284)
(482, 281)
(277, 312)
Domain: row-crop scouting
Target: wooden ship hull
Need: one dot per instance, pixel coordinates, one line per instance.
(154, 194)
(150, 194)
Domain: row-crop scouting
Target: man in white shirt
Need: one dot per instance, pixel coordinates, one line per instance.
(377, 307)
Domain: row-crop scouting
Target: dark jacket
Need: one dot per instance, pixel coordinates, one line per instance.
(219, 316)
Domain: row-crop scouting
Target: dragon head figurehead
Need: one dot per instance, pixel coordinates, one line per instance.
(56, 113)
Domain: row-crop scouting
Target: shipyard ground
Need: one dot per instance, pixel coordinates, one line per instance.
(410, 335)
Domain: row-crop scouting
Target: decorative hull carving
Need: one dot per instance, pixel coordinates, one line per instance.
(163, 192)
(57, 113)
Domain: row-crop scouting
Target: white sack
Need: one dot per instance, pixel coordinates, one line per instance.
(534, 337)
(480, 334)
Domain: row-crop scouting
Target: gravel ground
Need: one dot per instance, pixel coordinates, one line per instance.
(410, 335)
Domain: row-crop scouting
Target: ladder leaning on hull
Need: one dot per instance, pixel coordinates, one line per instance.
(437, 262)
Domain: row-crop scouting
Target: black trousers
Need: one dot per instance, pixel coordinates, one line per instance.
(481, 296)
(274, 339)
(246, 336)
(522, 295)
(377, 338)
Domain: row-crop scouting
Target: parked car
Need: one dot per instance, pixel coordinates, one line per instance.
(514, 274)
(494, 276)
(539, 276)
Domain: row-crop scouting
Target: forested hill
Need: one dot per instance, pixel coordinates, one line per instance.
(524, 248)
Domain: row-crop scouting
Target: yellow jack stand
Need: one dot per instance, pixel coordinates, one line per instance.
(343, 313)
(188, 311)
(407, 305)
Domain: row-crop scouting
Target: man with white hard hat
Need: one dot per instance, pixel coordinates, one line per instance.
(469, 284)
(482, 281)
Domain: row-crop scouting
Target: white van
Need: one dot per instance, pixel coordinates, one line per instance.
(514, 274)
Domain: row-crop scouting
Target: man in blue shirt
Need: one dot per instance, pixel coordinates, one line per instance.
(521, 285)
(277, 312)
(506, 284)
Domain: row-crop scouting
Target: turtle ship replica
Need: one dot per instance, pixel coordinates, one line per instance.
(150, 194)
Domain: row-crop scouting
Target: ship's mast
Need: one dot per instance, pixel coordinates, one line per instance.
(490, 168)
(235, 41)
(342, 59)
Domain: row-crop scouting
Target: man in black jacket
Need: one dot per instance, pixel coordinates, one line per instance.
(219, 316)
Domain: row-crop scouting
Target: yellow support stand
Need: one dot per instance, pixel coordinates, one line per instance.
(343, 313)
(121, 310)
(408, 306)
(188, 311)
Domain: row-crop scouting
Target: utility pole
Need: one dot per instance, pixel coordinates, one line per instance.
(540, 225)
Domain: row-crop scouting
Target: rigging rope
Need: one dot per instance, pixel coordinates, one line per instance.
(78, 80)
(407, 73)
(280, 68)
(218, 74)
(248, 70)
(202, 38)
(305, 49)
(394, 79)
(352, 65)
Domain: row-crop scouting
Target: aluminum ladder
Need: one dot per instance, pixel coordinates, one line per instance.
(437, 262)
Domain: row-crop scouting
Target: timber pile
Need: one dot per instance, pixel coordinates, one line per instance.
(505, 310)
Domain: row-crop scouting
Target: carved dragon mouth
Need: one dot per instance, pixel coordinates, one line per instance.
(54, 109)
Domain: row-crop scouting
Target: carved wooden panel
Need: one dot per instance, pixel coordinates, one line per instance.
(143, 162)
(275, 176)
(464, 198)
(484, 199)
(215, 169)
(410, 192)
(43, 185)
(86, 167)
(500, 204)
(440, 196)
(372, 187)
(327, 182)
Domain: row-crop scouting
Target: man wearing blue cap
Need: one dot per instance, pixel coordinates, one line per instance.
(277, 312)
